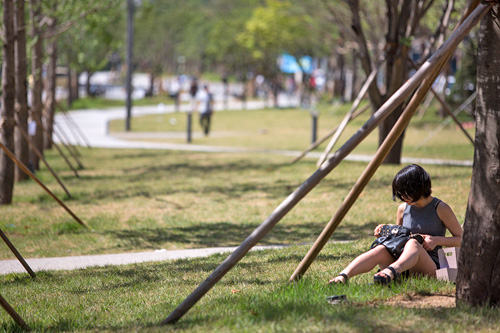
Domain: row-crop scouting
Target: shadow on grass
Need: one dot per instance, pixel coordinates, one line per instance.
(228, 234)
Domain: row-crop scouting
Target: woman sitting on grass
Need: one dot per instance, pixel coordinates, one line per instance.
(422, 214)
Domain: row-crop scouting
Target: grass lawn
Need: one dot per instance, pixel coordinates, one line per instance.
(138, 200)
(290, 129)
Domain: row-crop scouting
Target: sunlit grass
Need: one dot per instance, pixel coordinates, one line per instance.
(291, 129)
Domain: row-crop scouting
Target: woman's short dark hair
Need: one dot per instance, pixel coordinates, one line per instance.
(412, 182)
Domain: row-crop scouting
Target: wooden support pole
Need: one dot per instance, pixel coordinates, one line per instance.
(348, 116)
(17, 254)
(29, 173)
(73, 125)
(446, 108)
(389, 106)
(68, 148)
(40, 156)
(58, 149)
(66, 138)
(17, 318)
(447, 120)
(381, 154)
(329, 134)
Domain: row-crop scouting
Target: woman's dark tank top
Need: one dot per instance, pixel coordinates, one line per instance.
(425, 220)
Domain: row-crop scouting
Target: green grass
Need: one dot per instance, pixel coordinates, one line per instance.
(254, 296)
(138, 200)
(135, 200)
(290, 129)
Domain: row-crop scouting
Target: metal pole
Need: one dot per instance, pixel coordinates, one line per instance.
(189, 125)
(314, 115)
(130, 45)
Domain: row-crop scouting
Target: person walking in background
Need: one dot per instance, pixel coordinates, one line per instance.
(205, 107)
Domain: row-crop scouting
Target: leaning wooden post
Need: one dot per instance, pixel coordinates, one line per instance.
(381, 154)
(329, 134)
(68, 147)
(17, 254)
(40, 156)
(29, 173)
(66, 138)
(389, 106)
(17, 318)
(58, 149)
(348, 116)
(75, 125)
(446, 108)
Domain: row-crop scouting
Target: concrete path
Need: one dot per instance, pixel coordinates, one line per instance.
(76, 262)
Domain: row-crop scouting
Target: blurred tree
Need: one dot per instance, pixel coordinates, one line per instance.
(7, 103)
(21, 114)
(403, 21)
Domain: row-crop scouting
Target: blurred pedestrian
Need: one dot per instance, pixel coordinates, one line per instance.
(205, 107)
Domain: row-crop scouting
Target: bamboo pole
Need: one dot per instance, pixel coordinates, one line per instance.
(75, 125)
(329, 134)
(17, 318)
(40, 156)
(389, 106)
(57, 148)
(68, 148)
(17, 254)
(382, 152)
(67, 139)
(348, 116)
(29, 173)
(446, 108)
(447, 120)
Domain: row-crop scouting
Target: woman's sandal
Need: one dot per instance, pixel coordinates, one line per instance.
(346, 279)
(386, 279)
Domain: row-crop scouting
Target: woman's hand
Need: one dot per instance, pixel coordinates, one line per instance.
(429, 242)
(376, 232)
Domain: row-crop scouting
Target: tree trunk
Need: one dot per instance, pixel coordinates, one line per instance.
(8, 102)
(21, 146)
(37, 71)
(50, 104)
(478, 280)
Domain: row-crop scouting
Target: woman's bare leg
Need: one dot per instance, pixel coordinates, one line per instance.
(366, 262)
(414, 258)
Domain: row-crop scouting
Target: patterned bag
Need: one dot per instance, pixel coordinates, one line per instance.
(394, 238)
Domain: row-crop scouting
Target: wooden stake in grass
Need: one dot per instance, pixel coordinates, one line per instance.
(348, 116)
(40, 156)
(17, 318)
(57, 148)
(329, 134)
(389, 106)
(17, 254)
(29, 173)
(71, 121)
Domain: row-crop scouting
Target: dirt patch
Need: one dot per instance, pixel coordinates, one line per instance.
(422, 301)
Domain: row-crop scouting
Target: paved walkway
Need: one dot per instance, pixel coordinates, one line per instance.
(76, 262)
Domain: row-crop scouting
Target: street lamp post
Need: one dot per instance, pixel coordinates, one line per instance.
(130, 46)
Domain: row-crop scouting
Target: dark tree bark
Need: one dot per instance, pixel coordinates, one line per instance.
(50, 103)
(8, 102)
(403, 18)
(21, 146)
(36, 71)
(478, 280)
